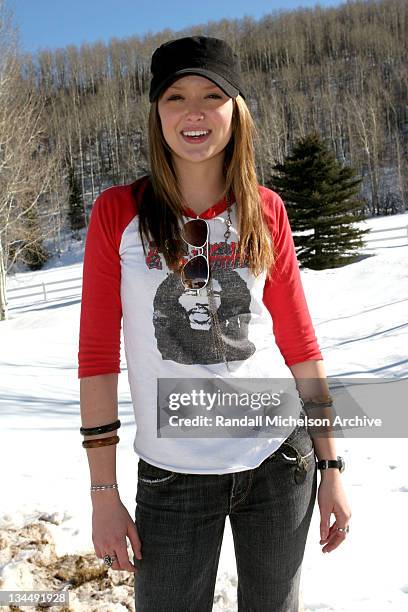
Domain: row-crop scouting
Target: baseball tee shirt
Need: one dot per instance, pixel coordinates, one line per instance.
(265, 323)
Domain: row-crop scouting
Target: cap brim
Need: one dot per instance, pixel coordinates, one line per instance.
(222, 83)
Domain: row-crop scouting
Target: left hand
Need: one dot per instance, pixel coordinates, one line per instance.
(332, 499)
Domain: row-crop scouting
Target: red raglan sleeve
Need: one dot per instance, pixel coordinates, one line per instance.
(283, 293)
(101, 309)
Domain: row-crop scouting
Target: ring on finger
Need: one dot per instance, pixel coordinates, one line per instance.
(109, 559)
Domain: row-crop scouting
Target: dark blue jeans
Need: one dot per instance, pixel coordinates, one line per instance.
(180, 519)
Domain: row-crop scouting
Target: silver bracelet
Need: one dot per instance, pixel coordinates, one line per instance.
(103, 487)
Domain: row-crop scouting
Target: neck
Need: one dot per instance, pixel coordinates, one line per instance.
(201, 184)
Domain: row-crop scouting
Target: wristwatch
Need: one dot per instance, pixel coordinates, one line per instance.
(339, 463)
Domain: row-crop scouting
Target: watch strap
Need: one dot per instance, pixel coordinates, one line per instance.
(324, 464)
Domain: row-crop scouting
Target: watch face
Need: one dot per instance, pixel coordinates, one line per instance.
(342, 464)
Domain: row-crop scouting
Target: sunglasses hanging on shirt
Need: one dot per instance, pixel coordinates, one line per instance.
(195, 273)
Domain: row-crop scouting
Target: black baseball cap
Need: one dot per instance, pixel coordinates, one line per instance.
(206, 56)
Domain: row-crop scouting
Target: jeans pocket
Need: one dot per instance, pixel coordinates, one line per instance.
(299, 441)
(297, 450)
(152, 475)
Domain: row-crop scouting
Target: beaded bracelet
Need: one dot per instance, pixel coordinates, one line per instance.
(100, 442)
(92, 431)
(104, 487)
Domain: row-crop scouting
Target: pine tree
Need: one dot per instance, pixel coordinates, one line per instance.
(320, 198)
(75, 205)
(33, 252)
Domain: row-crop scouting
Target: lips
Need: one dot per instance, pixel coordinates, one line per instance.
(195, 139)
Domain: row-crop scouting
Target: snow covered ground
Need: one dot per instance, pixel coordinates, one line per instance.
(360, 316)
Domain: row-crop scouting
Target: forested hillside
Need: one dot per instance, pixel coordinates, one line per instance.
(342, 71)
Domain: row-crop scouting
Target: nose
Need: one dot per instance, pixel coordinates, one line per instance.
(194, 111)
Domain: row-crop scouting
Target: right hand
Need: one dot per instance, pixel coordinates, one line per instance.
(111, 523)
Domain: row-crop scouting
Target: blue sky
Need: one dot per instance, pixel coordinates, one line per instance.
(57, 23)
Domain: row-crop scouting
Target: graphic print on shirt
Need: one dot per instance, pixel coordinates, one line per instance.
(183, 324)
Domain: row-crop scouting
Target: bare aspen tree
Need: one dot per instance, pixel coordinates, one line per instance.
(27, 167)
(7, 67)
(366, 122)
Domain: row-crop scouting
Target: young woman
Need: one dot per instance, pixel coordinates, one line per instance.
(199, 260)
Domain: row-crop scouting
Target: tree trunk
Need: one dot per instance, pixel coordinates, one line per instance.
(3, 298)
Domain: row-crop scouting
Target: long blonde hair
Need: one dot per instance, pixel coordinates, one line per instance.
(160, 213)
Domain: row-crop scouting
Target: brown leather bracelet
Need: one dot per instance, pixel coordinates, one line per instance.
(100, 442)
(319, 402)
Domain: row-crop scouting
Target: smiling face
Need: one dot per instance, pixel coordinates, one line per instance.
(190, 104)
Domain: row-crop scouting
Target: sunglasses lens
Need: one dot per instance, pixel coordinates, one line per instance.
(194, 275)
(195, 232)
